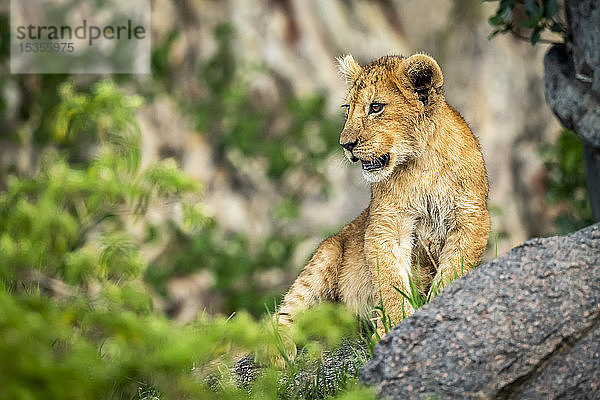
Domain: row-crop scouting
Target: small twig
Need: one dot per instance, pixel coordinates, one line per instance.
(525, 38)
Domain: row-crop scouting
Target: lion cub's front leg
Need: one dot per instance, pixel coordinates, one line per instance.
(388, 248)
(316, 283)
(463, 248)
(320, 278)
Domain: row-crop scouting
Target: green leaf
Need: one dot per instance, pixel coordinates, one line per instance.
(535, 35)
(533, 9)
(496, 20)
(550, 8)
(557, 27)
(529, 23)
(503, 15)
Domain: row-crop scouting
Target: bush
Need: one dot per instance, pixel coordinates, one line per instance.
(567, 190)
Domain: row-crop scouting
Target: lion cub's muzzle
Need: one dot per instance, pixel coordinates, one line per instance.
(348, 147)
(367, 165)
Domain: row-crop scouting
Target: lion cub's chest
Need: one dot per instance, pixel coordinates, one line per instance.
(432, 217)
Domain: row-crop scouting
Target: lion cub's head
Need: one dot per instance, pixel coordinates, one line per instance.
(387, 103)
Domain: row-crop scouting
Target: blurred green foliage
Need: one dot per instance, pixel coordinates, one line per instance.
(76, 318)
(62, 234)
(232, 118)
(532, 15)
(77, 349)
(324, 325)
(84, 198)
(236, 266)
(567, 189)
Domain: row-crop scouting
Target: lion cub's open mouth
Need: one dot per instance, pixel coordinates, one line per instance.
(377, 163)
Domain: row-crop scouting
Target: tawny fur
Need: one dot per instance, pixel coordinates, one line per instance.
(427, 218)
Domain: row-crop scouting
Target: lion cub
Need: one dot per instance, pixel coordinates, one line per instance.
(427, 220)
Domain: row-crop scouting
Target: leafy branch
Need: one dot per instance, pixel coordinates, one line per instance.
(533, 16)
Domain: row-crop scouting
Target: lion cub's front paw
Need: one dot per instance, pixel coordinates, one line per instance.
(286, 352)
(282, 350)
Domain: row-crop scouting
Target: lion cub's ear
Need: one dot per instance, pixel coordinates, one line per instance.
(425, 76)
(349, 68)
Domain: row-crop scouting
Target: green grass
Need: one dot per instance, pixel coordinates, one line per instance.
(325, 333)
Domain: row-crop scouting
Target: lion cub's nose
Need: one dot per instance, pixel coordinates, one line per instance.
(349, 145)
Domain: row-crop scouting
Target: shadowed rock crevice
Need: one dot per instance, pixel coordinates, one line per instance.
(523, 325)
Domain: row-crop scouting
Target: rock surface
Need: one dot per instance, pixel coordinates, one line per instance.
(526, 325)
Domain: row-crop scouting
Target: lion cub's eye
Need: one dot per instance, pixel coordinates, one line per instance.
(347, 108)
(376, 108)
